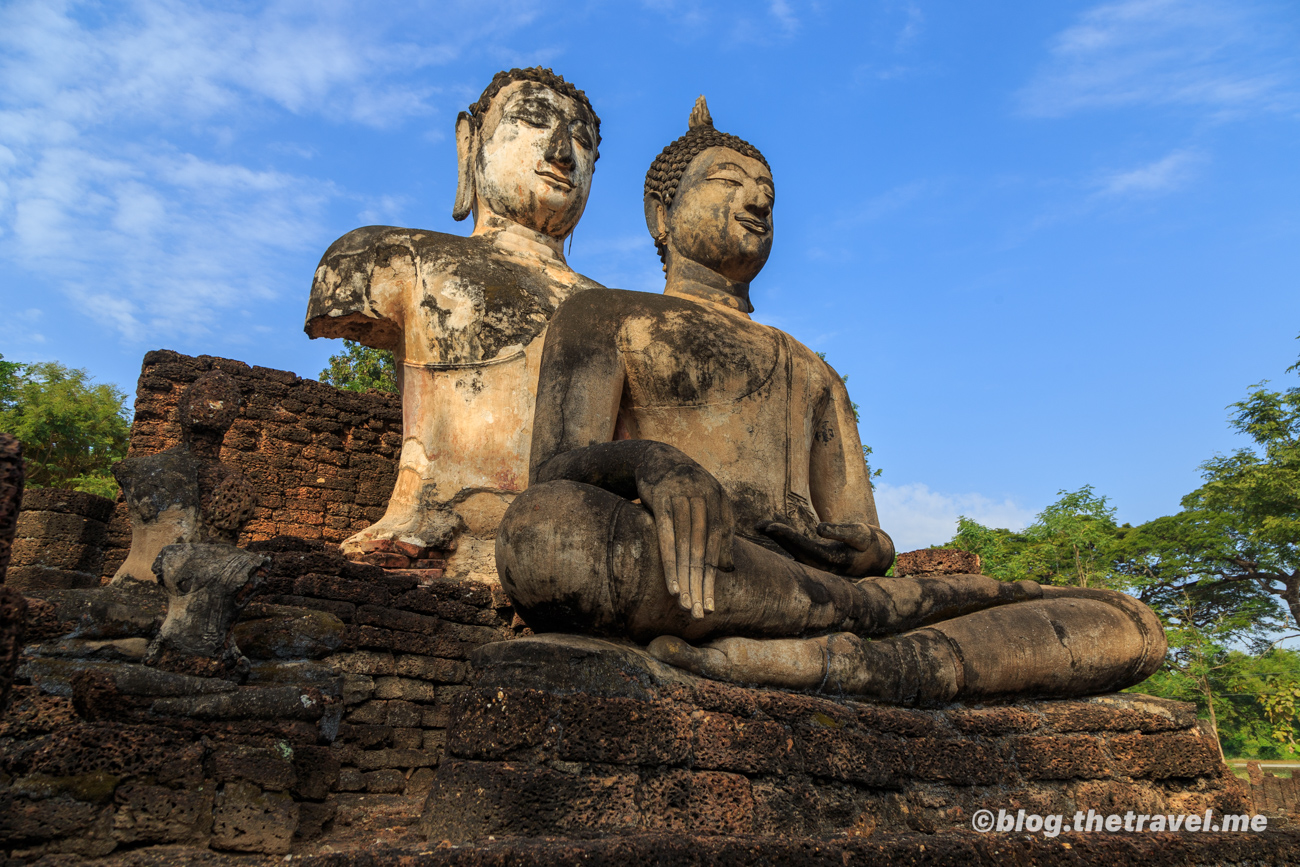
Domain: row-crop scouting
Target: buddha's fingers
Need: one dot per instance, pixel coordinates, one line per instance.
(716, 538)
(858, 536)
(699, 522)
(663, 516)
(682, 536)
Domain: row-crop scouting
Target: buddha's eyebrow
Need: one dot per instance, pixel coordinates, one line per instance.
(536, 106)
(761, 179)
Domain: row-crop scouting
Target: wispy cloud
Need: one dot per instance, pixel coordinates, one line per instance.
(1162, 176)
(1224, 56)
(783, 15)
(917, 517)
(913, 24)
(119, 179)
(18, 329)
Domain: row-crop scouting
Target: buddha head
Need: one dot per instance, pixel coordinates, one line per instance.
(526, 152)
(708, 199)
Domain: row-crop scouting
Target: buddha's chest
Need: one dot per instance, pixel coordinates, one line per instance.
(698, 358)
(481, 308)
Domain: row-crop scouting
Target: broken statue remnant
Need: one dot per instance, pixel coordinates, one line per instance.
(186, 494)
(755, 553)
(207, 585)
(13, 607)
(464, 316)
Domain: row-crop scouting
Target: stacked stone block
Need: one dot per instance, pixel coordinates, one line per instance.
(79, 787)
(403, 638)
(59, 541)
(323, 460)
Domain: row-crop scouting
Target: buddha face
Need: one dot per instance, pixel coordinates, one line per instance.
(721, 216)
(536, 153)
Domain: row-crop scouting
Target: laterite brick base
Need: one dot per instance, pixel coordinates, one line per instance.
(574, 737)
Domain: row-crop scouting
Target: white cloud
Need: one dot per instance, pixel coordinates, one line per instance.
(1164, 175)
(917, 517)
(784, 15)
(150, 231)
(1219, 55)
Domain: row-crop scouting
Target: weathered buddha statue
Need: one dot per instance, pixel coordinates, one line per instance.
(698, 483)
(464, 316)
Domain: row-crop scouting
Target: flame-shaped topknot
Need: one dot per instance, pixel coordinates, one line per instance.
(666, 171)
(700, 116)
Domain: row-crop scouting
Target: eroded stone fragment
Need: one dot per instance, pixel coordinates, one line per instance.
(208, 585)
(186, 494)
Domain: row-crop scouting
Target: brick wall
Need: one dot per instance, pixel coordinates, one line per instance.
(323, 461)
(403, 642)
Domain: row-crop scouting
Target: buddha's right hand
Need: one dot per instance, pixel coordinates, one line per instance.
(694, 523)
(850, 549)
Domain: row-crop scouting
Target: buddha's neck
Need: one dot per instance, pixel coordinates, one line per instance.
(687, 279)
(514, 237)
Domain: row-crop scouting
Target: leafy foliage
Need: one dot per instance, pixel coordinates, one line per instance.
(361, 368)
(72, 429)
(1069, 543)
(1252, 498)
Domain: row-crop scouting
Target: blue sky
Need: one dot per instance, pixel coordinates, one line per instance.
(1048, 242)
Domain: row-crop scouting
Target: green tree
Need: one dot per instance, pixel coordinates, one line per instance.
(1254, 697)
(1069, 543)
(361, 368)
(1252, 498)
(72, 429)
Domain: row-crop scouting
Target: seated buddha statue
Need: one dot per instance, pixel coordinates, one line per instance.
(697, 483)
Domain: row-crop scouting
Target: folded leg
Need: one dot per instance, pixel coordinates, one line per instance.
(1071, 642)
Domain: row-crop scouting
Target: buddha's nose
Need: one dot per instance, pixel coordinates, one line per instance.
(559, 148)
(760, 207)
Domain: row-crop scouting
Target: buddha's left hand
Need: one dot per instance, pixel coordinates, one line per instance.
(853, 550)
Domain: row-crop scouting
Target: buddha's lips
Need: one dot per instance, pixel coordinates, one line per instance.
(560, 179)
(754, 225)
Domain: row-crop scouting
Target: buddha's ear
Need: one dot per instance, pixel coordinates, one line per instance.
(465, 142)
(656, 216)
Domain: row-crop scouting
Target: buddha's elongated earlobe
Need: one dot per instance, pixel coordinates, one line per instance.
(465, 147)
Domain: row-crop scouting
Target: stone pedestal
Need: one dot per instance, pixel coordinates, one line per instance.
(575, 737)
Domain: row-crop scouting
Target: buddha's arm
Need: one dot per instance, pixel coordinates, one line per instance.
(578, 395)
(837, 473)
(361, 287)
(852, 542)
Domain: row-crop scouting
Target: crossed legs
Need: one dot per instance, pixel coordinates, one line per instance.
(575, 558)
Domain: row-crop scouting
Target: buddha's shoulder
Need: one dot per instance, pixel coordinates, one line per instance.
(621, 304)
(369, 240)
(471, 257)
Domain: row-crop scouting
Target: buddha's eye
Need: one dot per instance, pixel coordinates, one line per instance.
(726, 180)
